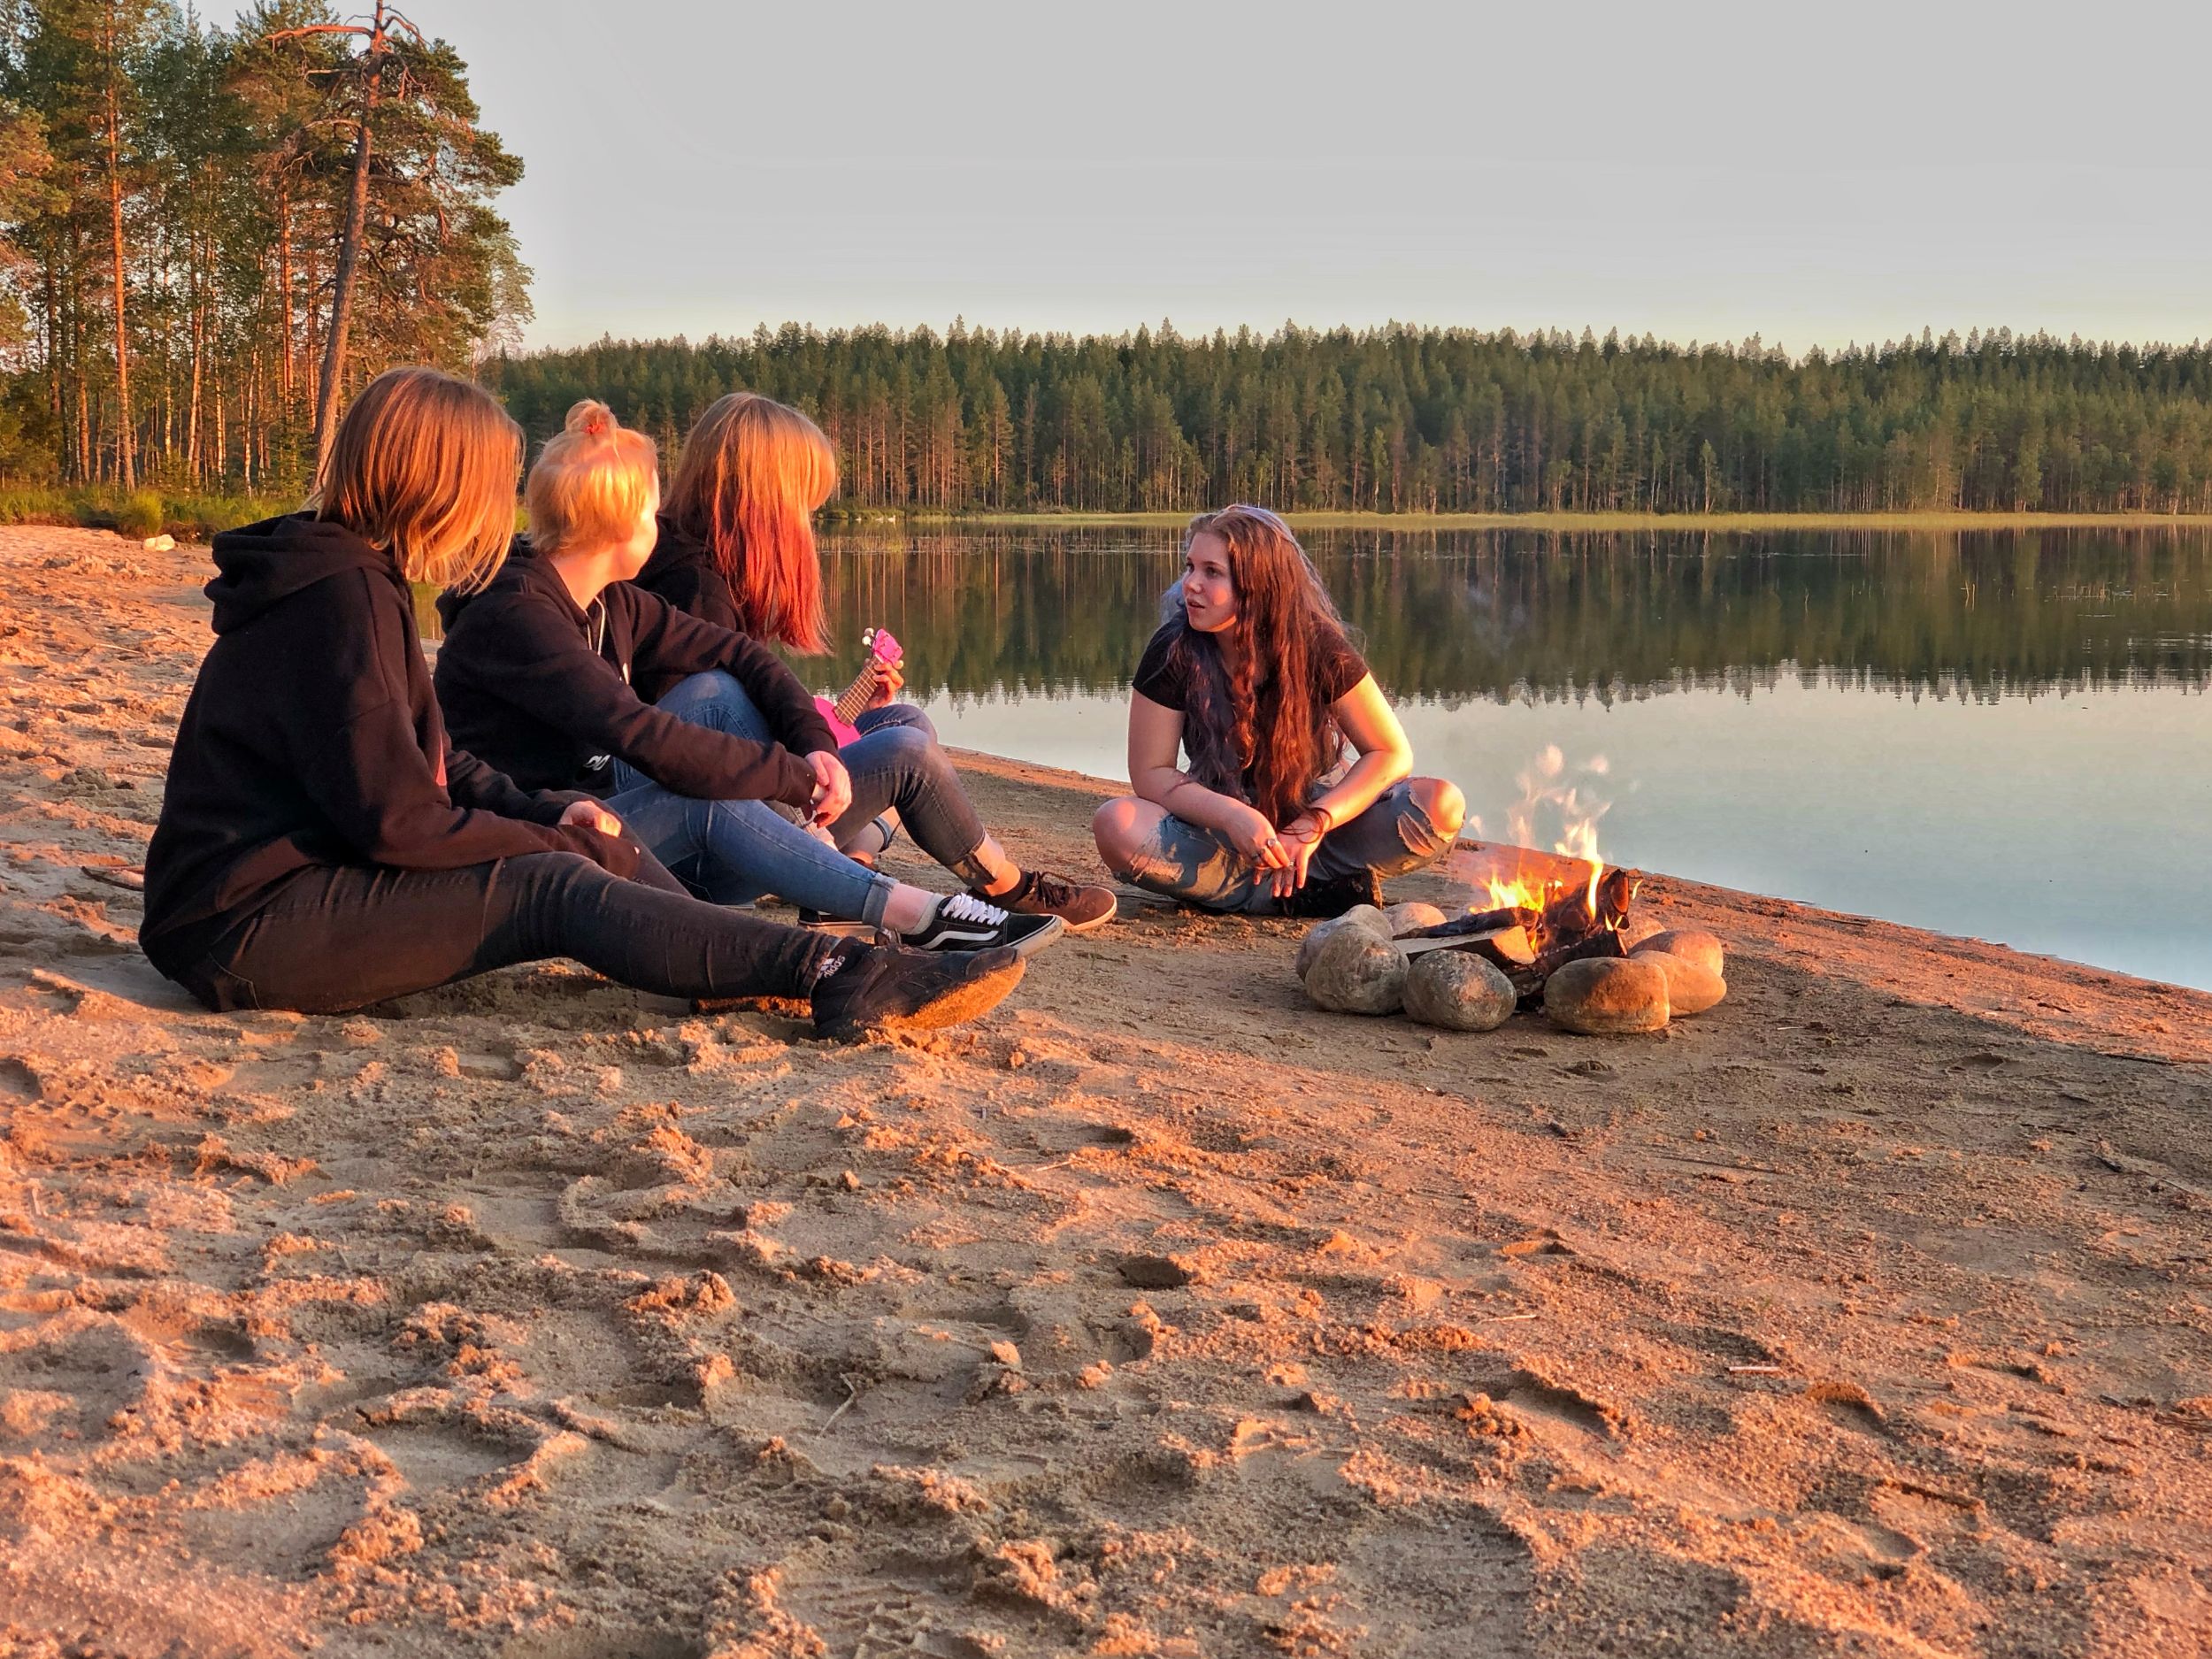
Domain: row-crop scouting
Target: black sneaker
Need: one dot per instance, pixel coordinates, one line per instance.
(886, 988)
(1334, 896)
(964, 922)
(1040, 893)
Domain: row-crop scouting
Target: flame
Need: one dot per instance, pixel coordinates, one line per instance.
(1519, 893)
(1581, 841)
(1543, 787)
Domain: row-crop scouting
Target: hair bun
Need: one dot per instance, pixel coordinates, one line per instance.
(591, 418)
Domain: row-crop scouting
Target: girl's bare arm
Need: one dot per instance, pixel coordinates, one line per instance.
(1156, 740)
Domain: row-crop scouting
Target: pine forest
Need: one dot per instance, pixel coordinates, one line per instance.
(211, 235)
(1407, 419)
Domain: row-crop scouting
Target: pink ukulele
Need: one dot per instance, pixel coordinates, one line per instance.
(884, 652)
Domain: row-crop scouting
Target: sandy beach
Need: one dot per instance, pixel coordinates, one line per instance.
(1157, 1313)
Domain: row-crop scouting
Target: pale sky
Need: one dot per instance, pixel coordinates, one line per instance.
(1812, 173)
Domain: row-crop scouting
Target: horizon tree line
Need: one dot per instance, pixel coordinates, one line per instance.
(1429, 419)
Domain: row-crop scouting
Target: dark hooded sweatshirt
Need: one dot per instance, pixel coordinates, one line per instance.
(683, 571)
(312, 737)
(548, 691)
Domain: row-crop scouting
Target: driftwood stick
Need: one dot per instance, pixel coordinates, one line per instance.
(1508, 948)
(1475, 922)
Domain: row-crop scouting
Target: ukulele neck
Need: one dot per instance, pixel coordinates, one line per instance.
(854, 702)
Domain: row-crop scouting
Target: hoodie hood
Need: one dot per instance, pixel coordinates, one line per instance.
(521, 571)
(264, 563)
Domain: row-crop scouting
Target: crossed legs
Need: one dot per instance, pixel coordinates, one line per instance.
(1411, 824)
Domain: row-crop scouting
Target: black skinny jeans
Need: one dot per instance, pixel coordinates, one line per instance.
(336, 938)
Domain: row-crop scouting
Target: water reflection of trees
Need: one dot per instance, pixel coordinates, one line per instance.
(1459, 615)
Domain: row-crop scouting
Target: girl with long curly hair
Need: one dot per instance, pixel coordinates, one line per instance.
(1254, 679)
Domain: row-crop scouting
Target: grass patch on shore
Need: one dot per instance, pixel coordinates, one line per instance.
(140, 513)
(147, 512)
(1718, 523)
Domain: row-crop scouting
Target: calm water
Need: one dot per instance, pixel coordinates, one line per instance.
(1998, 734)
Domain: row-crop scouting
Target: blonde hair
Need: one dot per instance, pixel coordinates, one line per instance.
(424, 466)
(592, 482)
(752, 473)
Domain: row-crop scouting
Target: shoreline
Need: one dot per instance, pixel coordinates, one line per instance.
(1156, 1312)
(148, 511)
(1716, 524)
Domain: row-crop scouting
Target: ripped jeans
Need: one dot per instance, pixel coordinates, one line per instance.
(1198, 865)
(901, 778)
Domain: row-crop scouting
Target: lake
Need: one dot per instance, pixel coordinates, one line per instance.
(2000, 733)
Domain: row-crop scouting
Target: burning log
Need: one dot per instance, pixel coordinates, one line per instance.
(1528, 940)
(1586, 910)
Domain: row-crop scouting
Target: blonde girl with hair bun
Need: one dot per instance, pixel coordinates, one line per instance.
(542, 675)
(594, 482)
(737, 550)
(322, 844)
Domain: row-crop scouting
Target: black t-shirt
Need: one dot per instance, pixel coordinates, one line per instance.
(1335, 667)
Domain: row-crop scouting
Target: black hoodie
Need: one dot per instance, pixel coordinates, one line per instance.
(547, 691)
(312, 737)
(683, 571)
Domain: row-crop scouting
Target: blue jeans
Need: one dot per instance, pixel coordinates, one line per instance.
(897, 765)
(733, 852)
(1198, 865)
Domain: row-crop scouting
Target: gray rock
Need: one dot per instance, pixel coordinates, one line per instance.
(1690, 987)
(1355, 972)
(1703, 949)
(1608, 997)
(1459, 990)
(1403, 918)
(1364, 917)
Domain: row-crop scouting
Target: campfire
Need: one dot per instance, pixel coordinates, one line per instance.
(1549, 933)
(1529, 928)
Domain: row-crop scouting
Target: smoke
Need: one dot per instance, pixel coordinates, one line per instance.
(1555, 793)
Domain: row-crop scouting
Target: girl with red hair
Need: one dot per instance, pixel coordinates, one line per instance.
(736, 549)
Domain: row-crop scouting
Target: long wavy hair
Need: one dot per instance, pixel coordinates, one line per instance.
(1257, 727)
(752, 473)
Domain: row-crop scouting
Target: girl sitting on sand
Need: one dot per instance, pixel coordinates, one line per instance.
(322, 846)
(1256, 680)
(736, 549)
(536, 676)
